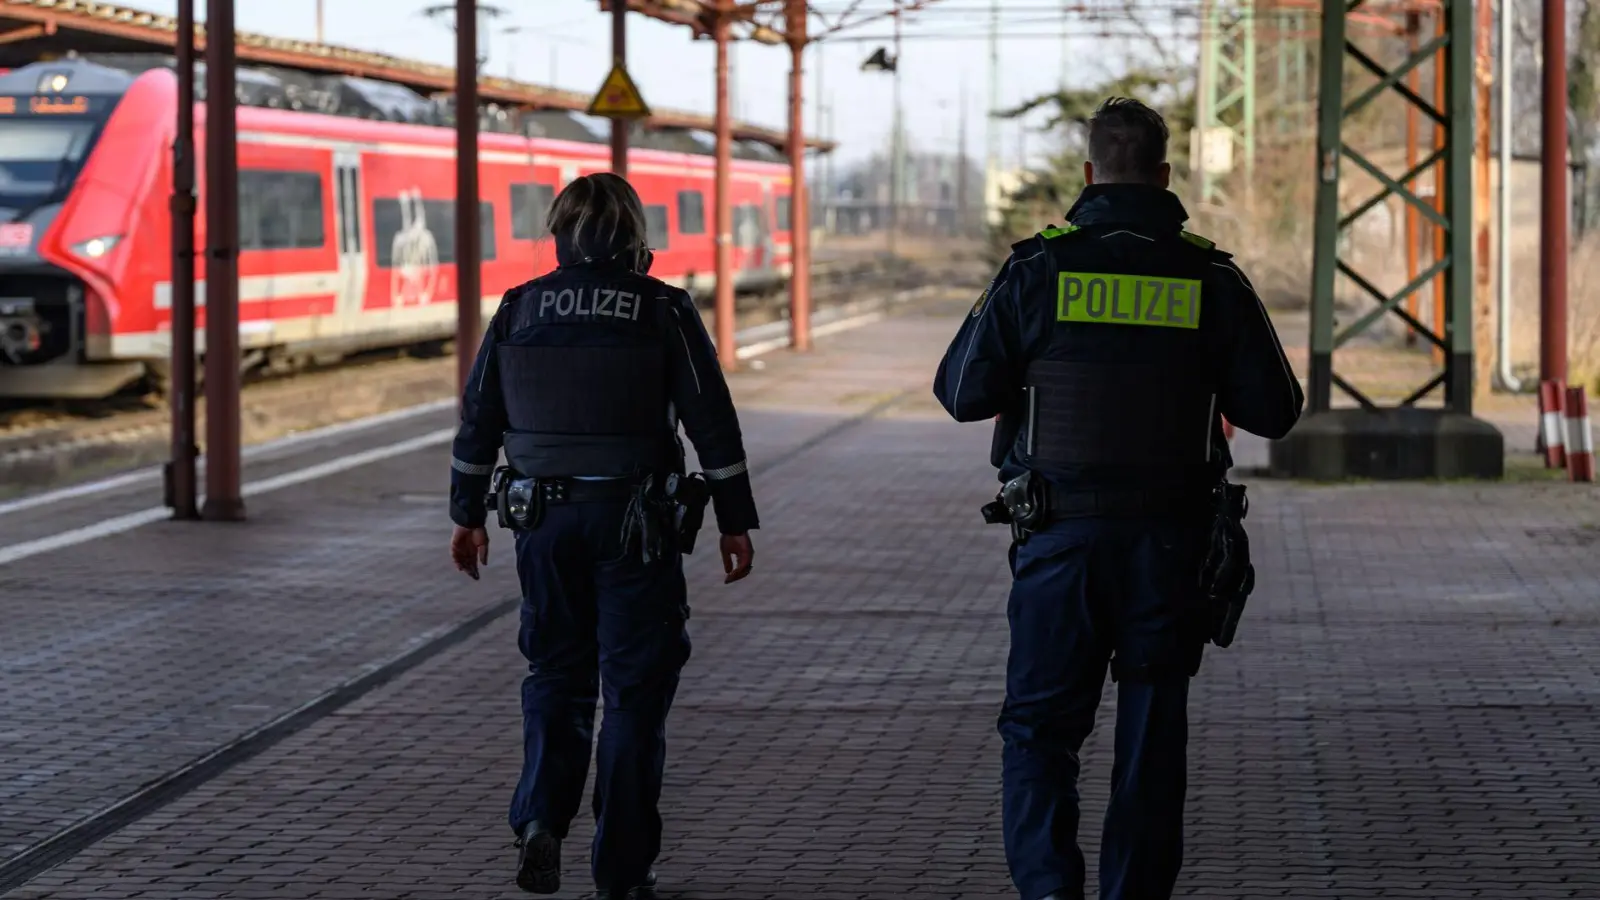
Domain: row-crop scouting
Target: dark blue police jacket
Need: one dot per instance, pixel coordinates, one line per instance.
(1033, 311)
(574, 340)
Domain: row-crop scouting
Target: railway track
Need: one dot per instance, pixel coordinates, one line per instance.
(52, 444)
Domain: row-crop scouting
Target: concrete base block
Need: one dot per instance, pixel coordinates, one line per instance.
(1390, 444)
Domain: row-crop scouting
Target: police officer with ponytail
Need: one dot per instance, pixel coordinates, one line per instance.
(582, 379)
(1109, 349)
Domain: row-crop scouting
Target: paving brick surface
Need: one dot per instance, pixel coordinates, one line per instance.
(1410, 710)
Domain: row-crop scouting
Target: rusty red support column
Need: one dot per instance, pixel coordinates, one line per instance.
(1413, 133)
(723, 221)
(469, 294)
(1441, 82)
(182, 479)
(224, 501)
(619, 54)
(1483, 359)
(1553, 209)
(799, 208)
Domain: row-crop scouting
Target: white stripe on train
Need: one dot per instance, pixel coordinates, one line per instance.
(257, 288)
(422, 321)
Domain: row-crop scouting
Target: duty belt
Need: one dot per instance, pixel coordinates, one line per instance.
(519, 502)
(575, 490)
(1065, 503)
(1028, 502)
(663, 516)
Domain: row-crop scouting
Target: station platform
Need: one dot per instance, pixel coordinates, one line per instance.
(313, 703)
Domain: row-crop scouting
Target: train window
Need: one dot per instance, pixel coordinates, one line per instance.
(530, 203)
(280, 210)
(418, 232)
(658, 232)
(342, 205)
(785, 214)
(486, 246)
(357, 237)
(349, 210)
(38, 155)
(691, 212)
(353, 203)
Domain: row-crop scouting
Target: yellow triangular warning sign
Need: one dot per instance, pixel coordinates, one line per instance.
(619, 97)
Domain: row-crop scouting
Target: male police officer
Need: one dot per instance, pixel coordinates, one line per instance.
(1108, 349)
(583, 376)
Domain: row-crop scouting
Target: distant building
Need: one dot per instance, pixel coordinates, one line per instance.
(939, 194)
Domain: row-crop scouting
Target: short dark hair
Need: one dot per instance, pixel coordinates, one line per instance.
(1127, 141)
(600, 207)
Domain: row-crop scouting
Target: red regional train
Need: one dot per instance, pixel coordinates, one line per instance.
(346, 217)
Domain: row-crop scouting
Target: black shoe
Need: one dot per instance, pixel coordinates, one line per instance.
(539, 864)
(646, 891)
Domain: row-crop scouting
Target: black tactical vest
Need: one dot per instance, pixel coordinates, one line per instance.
(583, 372)
(1125, 375)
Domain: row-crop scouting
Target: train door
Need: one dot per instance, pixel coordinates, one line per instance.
(755, 239)
(783, 232)
(769, 223)
(352, 244)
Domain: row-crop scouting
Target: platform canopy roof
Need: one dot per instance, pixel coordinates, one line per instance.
(31, 30)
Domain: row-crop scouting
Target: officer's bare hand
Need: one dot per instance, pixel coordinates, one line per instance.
(469, 547)
(737, 554)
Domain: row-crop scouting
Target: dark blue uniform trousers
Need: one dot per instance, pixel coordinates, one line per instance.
(1085, 591)
(592, 614)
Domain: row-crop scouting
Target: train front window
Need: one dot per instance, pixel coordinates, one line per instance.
(36, 156)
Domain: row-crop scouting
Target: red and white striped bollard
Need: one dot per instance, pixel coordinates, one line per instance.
(1551, 425)
(1580, 438)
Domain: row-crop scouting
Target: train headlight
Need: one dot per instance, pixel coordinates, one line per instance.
(96, 248)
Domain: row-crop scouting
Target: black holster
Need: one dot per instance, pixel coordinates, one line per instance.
(688, 495)
(1227, 577)
(651, 525)
(518, 503)
(1023, 503)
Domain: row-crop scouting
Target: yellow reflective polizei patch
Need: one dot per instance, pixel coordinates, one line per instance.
(1128, 300)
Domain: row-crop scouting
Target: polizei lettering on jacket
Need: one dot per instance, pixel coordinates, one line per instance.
(1128, 300)
(591, 302)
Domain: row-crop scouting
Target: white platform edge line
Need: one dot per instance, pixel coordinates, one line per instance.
(266, 448)
(130, 521)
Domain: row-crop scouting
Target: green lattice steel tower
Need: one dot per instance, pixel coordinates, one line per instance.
(1401, 440)
(1226, 94)
(1292, 112)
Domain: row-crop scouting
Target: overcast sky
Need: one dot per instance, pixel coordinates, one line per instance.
(567, 43)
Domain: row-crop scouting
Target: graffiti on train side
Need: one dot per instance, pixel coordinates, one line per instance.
(415, 253)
